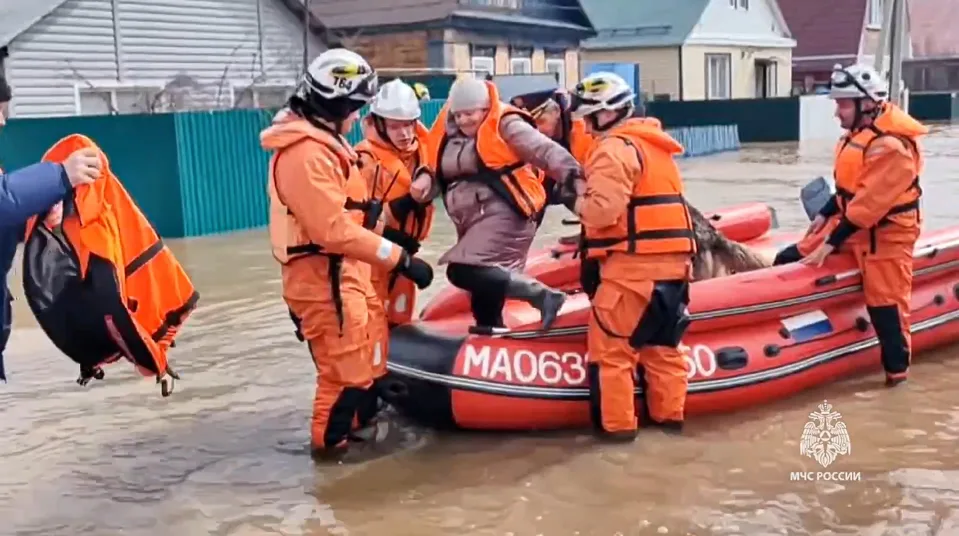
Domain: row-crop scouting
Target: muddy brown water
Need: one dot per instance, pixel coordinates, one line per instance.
(224, 455)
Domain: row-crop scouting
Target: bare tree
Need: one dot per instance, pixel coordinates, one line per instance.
(102, 93)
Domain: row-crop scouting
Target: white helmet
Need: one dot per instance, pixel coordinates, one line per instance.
(601, 91)
(337, 83)
(857, 82)
(396, 100)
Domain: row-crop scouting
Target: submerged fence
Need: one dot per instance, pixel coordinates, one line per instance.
(204, 172)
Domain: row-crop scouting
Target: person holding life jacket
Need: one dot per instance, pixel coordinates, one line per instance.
(637, 224)
(323, 234)
(99, 279)
(874, 215)
(485, 153)
(393, 152)
(26, 193)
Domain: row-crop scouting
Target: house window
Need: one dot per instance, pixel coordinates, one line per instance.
(119, 100)
(718, 76)
(739, 4)
(483, 66)
(481, 61)
(558, 69)
(520, 60)
(520, 66)
(875, 13)
(261, 96)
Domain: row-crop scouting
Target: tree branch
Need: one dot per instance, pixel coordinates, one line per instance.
(94, 89)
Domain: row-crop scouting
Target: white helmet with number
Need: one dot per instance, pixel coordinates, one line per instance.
(337, 83)
(601, 91)
(396, 100)
(857, 82)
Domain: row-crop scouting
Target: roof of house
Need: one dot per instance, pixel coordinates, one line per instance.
(17, 17)
(825, 27)
(365, 13)
(632, 23)
(20, 15)
(358, 14)
(933, 27)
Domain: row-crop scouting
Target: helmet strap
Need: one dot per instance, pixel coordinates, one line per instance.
(380, 126)
(861, 116)
(621, 114)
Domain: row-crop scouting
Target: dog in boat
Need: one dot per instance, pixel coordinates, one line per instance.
(718, 256)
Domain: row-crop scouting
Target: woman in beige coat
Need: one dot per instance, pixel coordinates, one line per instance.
(486, 152)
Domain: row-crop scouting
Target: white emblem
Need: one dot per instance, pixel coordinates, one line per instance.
(825, 436)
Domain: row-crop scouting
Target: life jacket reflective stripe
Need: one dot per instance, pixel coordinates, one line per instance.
(418, 223)
(656, 219)
(103, 285)
(288, 238)
(515, 181)
(850, 157)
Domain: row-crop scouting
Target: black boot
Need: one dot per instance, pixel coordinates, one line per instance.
(547, 300)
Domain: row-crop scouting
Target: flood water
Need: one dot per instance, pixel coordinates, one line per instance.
(225, 455)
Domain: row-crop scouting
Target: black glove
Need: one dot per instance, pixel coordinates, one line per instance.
(402, 240)
(416, 270)
(401, 207)
(572, 188)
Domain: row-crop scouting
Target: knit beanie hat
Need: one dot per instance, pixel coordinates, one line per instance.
(468, 93)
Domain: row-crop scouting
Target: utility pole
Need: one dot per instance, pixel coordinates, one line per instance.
(891, 41)
(306, 35)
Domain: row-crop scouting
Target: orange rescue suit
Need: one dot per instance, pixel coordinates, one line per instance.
(102, 284)
(318, 237)
(517, 182)
(875, 216)
(636, 223)
(389, 175)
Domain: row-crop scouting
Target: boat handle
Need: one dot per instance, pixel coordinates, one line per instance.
(926, 252)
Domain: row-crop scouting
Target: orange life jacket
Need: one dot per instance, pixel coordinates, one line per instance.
(287, 237)
(393, 180)
(850, 156)
(103, 285)
(517, 182)
(656, 219)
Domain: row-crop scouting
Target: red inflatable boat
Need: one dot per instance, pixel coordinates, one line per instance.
(755, 337)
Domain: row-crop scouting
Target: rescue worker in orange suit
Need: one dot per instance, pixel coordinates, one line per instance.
(874, 214)
(637, 228)
(550, 110)
(320, 229)
(394, 152)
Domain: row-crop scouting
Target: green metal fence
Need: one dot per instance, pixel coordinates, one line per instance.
(199, 173)
(142, 150)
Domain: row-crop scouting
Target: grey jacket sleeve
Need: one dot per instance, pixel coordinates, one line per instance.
(538, 149)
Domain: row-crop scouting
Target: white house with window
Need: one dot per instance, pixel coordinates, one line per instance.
(91, 57)
(697, 49)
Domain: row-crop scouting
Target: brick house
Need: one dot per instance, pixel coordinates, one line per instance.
(496, 36)
(934, 67)
(828, 32)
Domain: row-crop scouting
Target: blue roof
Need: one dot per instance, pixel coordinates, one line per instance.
(641, 23)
